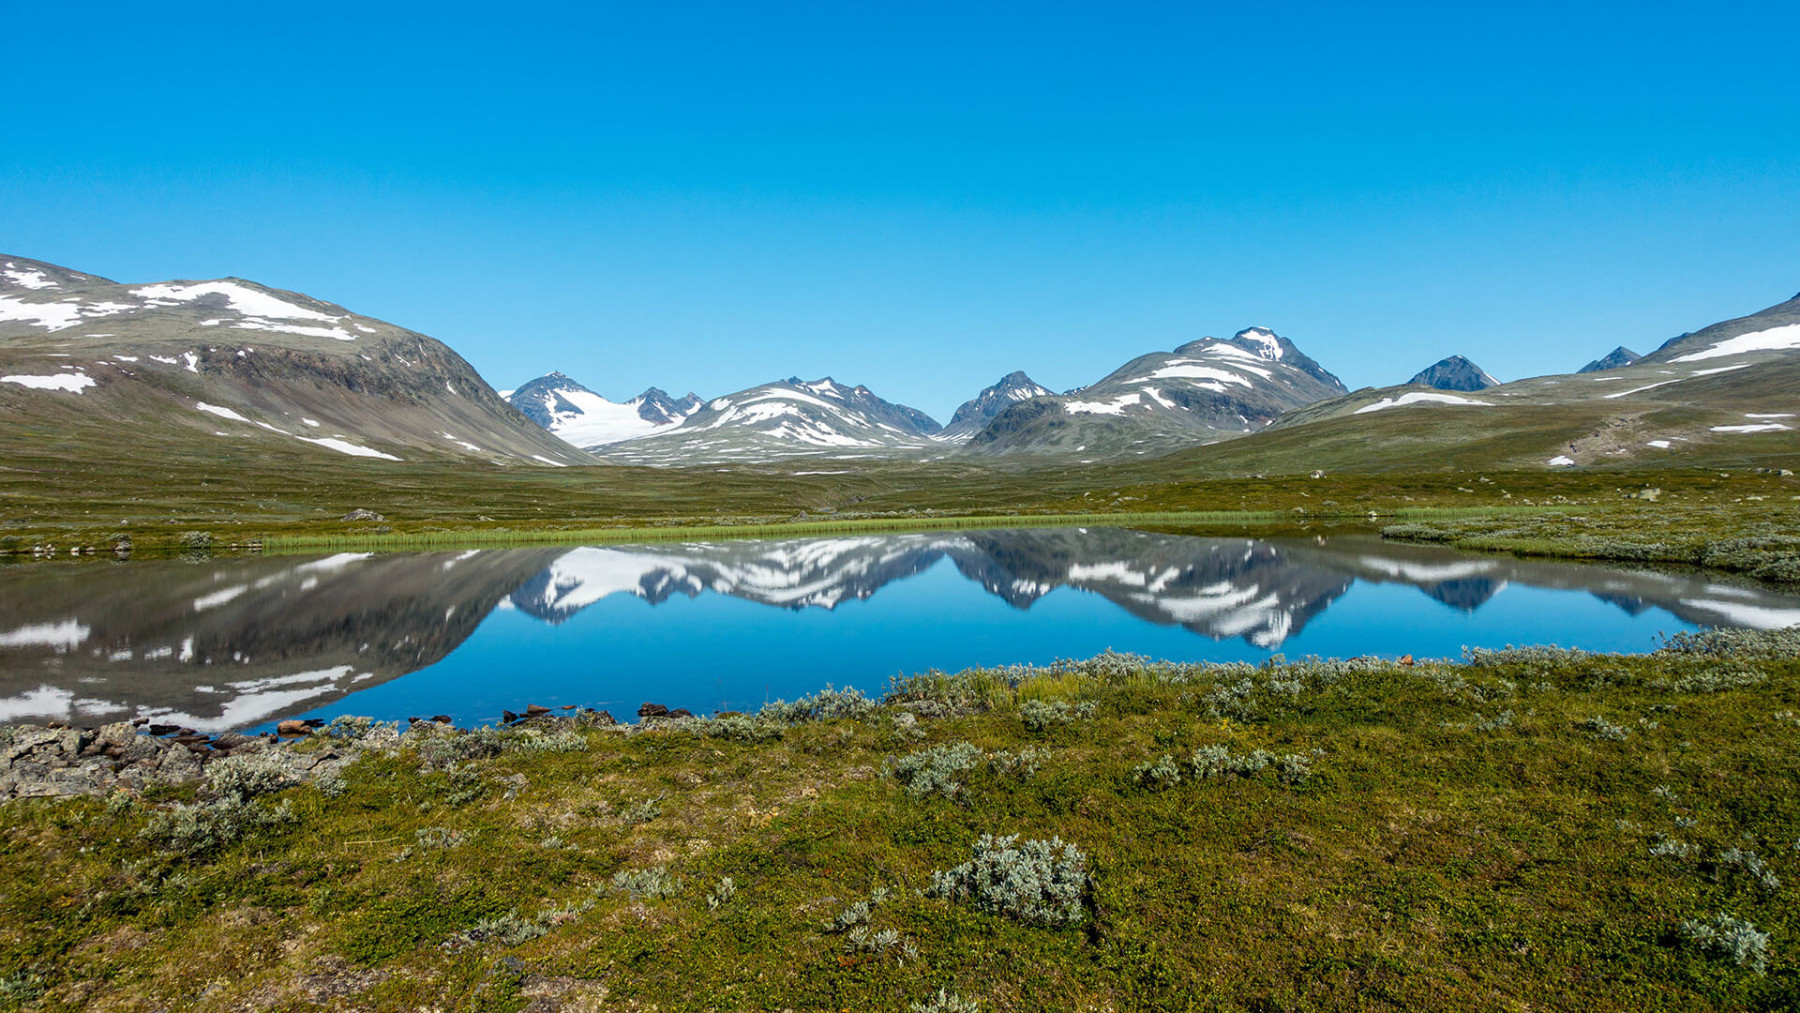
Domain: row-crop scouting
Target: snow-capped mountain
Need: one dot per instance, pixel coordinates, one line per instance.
(191, 361)
(1615, 359)
(585, 419)
(1203, 391)
(975, 413)
(1730, 389)
(787, 418)
(1776, 329)
(1453, 373)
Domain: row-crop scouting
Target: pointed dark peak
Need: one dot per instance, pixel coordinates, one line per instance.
(1006, 392)
(1455, 372)
(1615, 359)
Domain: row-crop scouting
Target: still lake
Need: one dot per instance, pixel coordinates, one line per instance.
(239, 643)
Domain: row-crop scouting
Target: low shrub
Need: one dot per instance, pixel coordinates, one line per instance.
(653, 883)
(1038, 882)
(1728, 938)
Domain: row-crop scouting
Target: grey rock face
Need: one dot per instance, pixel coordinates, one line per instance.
(1615, 359)
(1454, 373)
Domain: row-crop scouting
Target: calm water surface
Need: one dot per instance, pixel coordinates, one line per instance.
(729, 625)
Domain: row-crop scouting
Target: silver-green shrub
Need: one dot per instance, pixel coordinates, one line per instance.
(945, 1001)
(934, 770)
(1601, 728)
(1038, 882)
(246, 777)
(653, 883)
(825, 705)
(1041, 715)
(1728, 938)
(1218, 761)
(204, 827)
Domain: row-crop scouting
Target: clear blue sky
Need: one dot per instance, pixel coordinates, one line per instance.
(926, 196)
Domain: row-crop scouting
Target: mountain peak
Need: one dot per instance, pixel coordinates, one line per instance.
(978, 411)
(1454, 372)
(1615, 359)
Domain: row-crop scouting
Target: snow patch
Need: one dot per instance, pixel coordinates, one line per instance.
(1772, 339)
(1420, 397)
(1754, 427)
(1116, 406)
(1560, 461)
(74, 383)
(224, 413)
(345, 447)
(27, 277)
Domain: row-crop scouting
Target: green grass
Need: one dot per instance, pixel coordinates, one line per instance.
(1464, 841)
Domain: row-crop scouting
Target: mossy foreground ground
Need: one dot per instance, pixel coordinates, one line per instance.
(1529, 830)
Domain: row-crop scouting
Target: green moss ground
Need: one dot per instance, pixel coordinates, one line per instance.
(1464, 842)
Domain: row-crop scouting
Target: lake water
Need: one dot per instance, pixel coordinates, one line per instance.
(239, 643)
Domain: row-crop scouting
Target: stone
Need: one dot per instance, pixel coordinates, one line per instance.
(681, 712)
(533, 710)
(293, 727)
(653, 710)
(360, 514)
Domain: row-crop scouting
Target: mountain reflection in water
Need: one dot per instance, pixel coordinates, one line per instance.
(236, 643)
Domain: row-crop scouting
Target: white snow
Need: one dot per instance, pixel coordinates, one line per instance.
(1418, 397)
(52, 316)
(1772, 339)
(311, 422)
(1270, 345)
(27, 277)
(1648, 386)
(1754, 427)
(595, 421)
(246, 301)
(1116, 406)
(224, 413)
(1561, 461)
(345, 447)
(335, 333)
(74, 383)
(1659, 444)
(1769, 415)
(546, 460)
(63, 636)
(1189, 370)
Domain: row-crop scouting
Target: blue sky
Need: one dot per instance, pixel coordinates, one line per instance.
(926, 196)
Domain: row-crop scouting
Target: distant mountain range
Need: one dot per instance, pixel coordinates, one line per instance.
(276, 372)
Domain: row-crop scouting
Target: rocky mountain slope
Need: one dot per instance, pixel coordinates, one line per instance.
(787, 418)
(1615, 359)
(1453, 373)
(1727, 389)
(1204, 391)
(231, 359)
(974, 414)
(585, 419)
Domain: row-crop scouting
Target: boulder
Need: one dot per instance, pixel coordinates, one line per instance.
(360, 514)
(653, 710)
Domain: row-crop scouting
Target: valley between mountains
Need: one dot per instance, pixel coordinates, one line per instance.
(228, 365)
